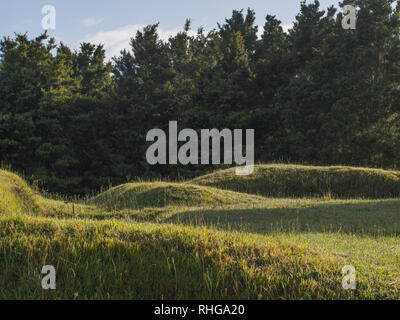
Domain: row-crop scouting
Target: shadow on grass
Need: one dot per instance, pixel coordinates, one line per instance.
(372, 218)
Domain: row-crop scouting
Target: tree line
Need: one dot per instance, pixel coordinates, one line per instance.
(315, 94)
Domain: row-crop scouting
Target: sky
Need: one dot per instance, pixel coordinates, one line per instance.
(113, 22)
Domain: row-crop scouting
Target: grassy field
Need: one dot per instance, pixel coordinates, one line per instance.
(285, 232)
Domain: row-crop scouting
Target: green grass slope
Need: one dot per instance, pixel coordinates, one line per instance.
(279, 180)
(12, 190)
(17, 197)
(108, 260)
(195, 243)
(160, 194)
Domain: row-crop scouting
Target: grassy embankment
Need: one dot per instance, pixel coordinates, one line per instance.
(285, 232)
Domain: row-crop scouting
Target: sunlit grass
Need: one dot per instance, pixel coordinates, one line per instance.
(187, 242)
(283, 180)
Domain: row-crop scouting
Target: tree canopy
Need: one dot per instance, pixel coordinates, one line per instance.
(316, 94)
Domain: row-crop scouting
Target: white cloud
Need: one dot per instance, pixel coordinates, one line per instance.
(260, 32)
(118, 39)
(89, 22)
(285, 28)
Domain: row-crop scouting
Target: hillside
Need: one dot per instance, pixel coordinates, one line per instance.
(161, 194)
(180, 241)
(280, 180)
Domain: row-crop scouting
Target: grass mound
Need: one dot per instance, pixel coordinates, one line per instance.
(97, 260)
(308, 181)
(206, 243)
(16, 195)
(160, 194)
